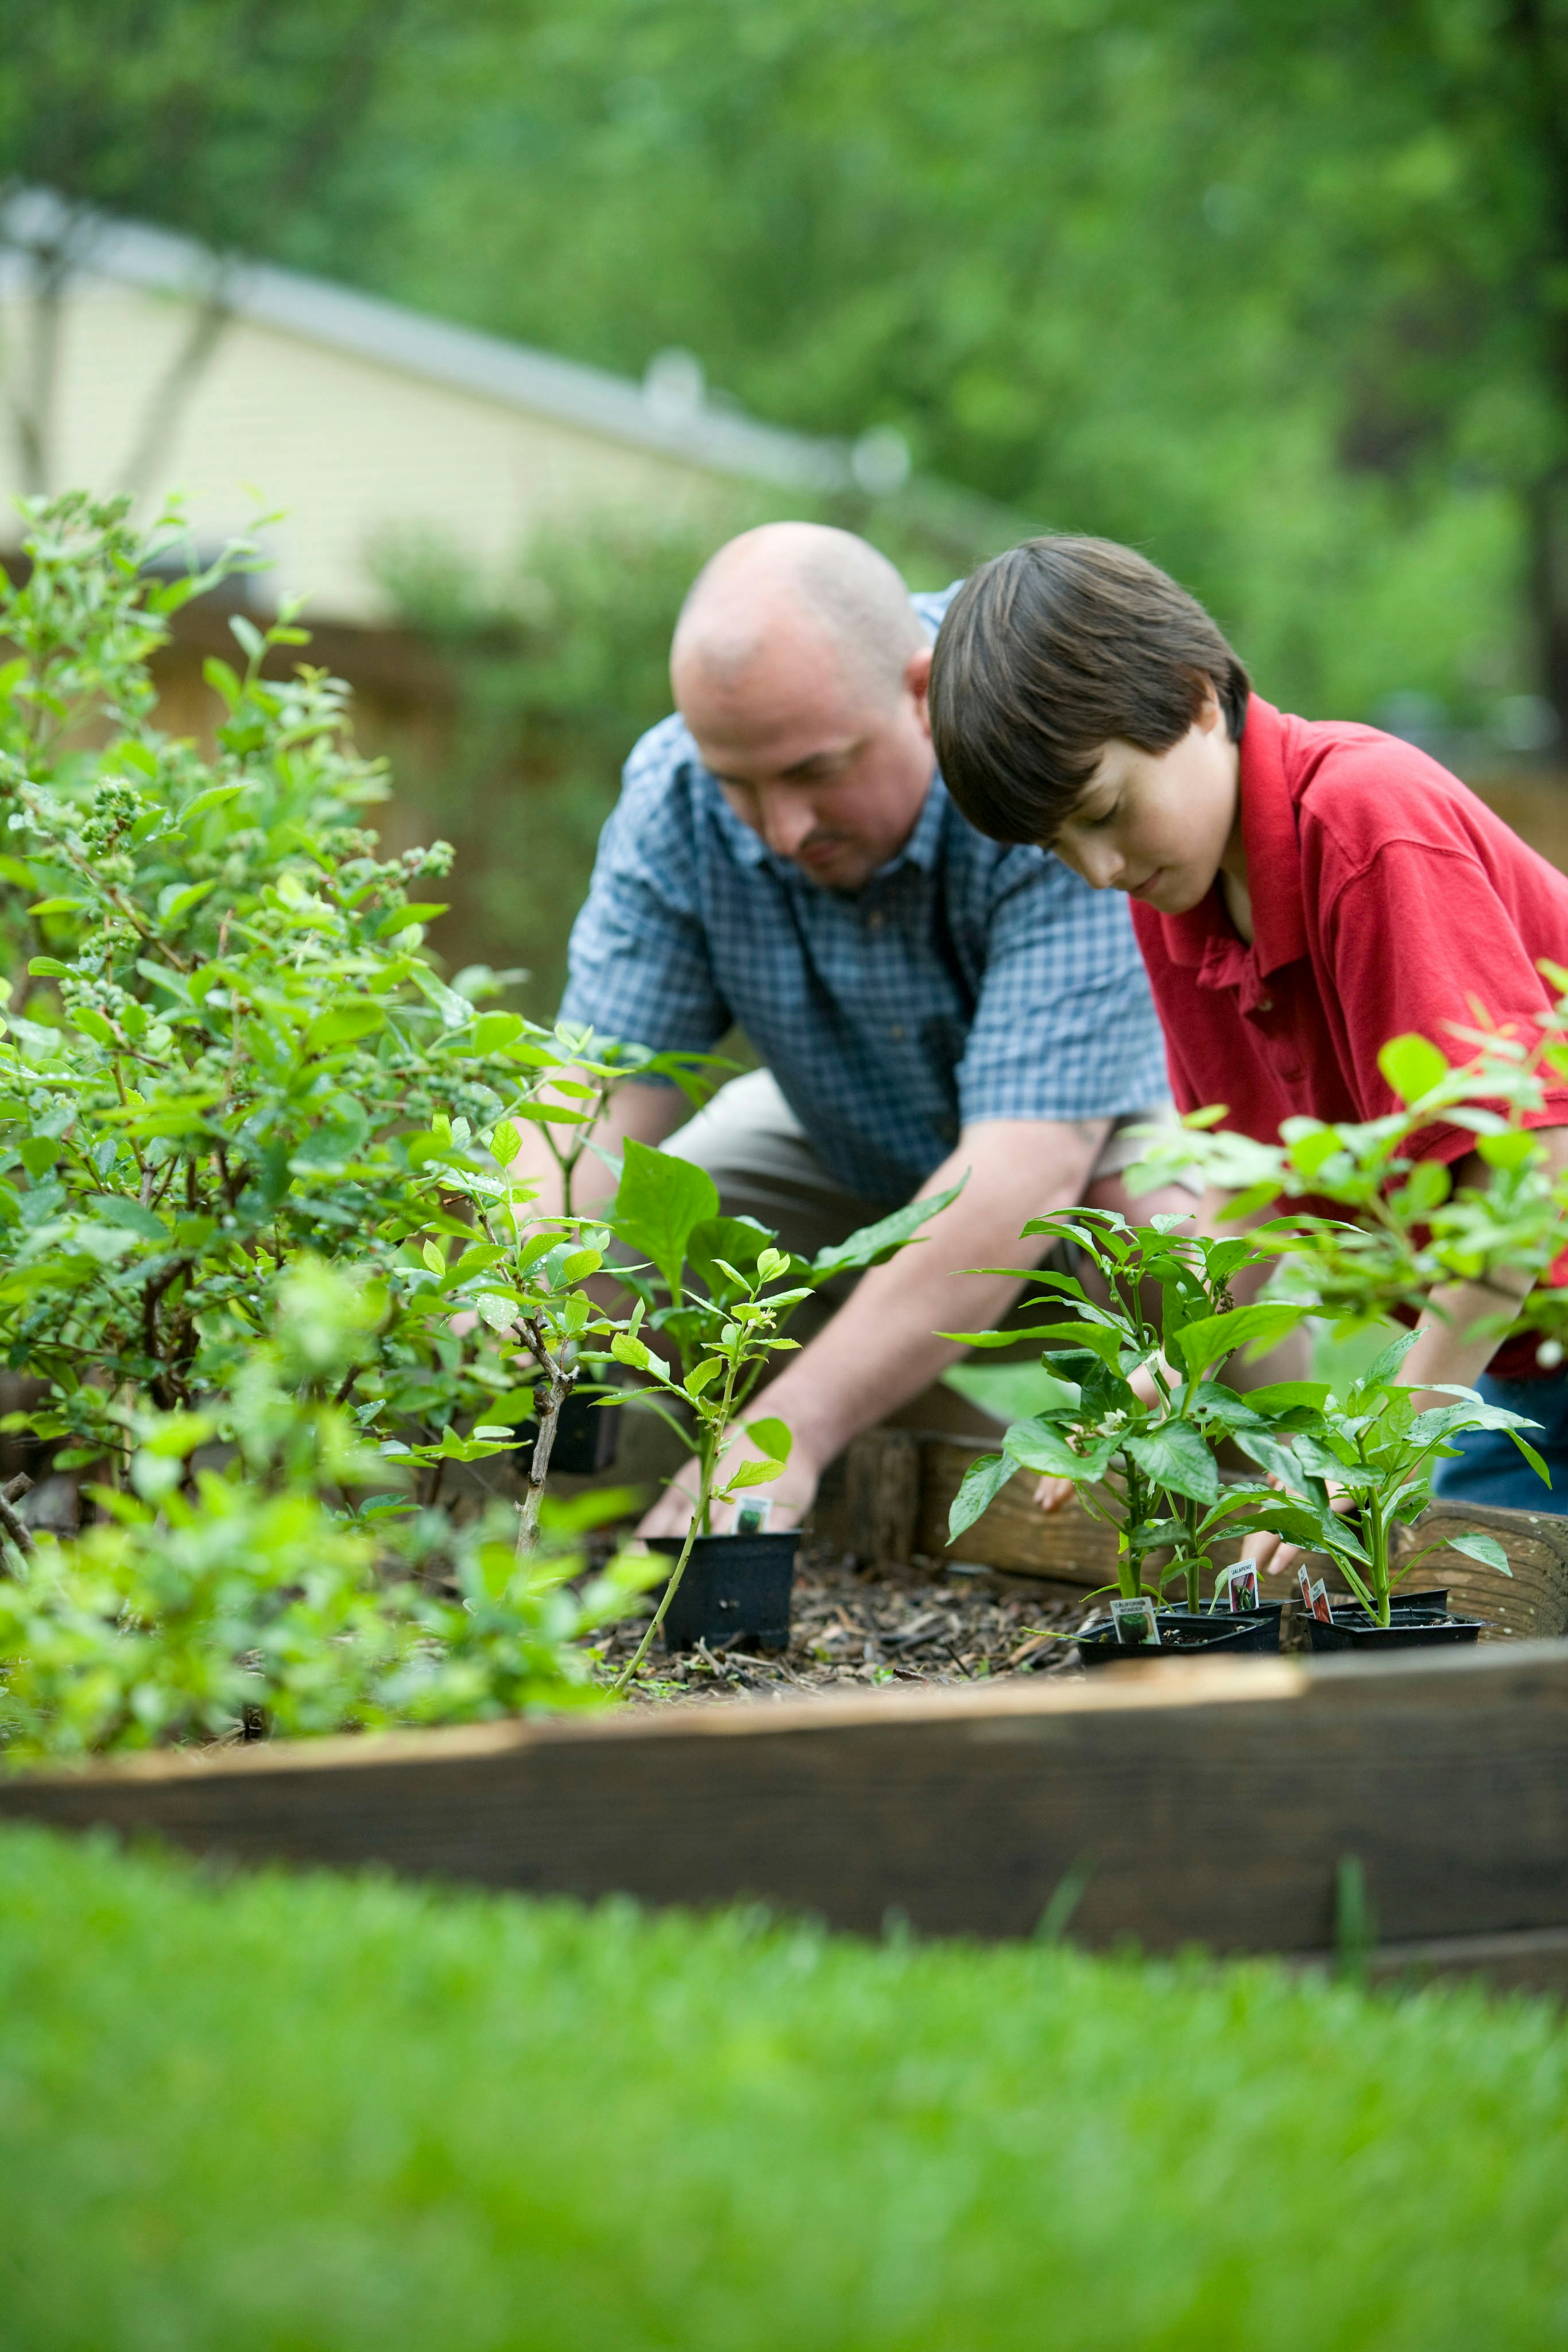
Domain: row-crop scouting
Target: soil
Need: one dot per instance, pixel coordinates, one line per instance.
(854, 1626)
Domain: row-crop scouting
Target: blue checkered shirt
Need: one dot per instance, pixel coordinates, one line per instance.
(966, 980)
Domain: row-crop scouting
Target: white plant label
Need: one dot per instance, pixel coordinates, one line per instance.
(1134, 1624)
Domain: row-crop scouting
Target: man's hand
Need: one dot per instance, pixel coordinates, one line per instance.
(792, 1493)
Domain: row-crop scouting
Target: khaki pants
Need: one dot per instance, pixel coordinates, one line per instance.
(765, 1166)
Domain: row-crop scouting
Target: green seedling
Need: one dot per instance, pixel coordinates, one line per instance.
(712, 1296)
(1137, 1409)
(1375, 1454)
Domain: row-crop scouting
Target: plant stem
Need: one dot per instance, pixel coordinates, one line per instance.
(558, 1383)
(717, 1422)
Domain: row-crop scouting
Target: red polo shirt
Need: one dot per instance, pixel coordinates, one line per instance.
(1385, 899)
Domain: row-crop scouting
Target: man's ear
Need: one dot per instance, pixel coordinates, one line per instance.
(917, 678)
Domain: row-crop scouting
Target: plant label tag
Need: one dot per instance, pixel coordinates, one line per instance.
(753, 1518)
(1305, 1582)
(1319, 1599)
(1242, 1590)
(1134, 1624)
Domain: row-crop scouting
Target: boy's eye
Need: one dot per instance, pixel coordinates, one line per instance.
(1105, 817)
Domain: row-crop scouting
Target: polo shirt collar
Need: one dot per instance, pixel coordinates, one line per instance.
(1203, 937)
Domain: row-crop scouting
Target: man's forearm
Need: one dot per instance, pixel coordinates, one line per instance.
(881, 1348)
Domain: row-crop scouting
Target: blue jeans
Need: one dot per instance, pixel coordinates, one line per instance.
(1488, 1466)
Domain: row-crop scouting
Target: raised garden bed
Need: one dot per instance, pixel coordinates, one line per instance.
(1213, 1803)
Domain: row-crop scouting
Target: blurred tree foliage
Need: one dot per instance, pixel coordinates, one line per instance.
(1282, 294)
(1279, 294)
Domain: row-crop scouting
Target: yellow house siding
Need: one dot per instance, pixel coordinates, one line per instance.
(350, 449)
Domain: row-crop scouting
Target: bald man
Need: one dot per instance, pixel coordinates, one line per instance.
(929, 1005)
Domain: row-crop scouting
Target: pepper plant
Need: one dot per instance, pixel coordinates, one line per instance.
(1138, 1409)
(1377, 1454)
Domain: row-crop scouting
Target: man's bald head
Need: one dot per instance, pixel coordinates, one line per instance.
(800, 666)
(805, 585)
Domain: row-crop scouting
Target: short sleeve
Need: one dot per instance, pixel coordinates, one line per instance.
(1420, 940)
(1065, 1025)
(638, 965)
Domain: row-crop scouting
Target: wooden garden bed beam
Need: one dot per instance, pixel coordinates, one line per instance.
(1207, 1804)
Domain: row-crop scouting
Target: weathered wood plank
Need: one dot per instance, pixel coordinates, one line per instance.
(1209, 1803)
(1532, 1602)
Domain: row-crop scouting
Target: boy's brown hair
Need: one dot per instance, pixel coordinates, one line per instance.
(1046, 654)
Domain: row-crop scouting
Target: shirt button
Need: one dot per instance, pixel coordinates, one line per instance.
(897, 1033)
(875, 922)
(1265, 1004)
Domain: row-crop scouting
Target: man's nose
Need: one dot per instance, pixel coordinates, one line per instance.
(786, 820)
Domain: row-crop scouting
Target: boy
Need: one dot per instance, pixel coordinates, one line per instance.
(1301, 891)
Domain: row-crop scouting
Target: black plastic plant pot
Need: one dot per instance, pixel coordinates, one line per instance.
(735, 1587)
(585, 1435)
(1411, 1629)
(1261, 1625)
(1194, 1637)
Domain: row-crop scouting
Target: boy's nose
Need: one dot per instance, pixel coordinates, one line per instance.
(1103, 866)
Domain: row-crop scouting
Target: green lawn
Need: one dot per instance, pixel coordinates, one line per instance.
(312, 2113)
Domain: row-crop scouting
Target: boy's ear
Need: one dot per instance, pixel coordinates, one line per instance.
(1210, 711)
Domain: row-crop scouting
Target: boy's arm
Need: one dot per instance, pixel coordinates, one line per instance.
(1445, 1351)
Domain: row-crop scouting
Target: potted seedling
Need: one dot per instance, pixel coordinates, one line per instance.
(1377, 1454)
(711, 1302)
(1134, 1419)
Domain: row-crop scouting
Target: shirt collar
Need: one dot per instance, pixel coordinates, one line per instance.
(1203, 936)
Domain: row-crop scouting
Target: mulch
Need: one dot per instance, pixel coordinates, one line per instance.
(853, 1626)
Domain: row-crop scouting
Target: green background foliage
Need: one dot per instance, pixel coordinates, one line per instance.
(1279, 295)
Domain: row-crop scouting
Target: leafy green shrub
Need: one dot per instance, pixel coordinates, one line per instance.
(241, 1117)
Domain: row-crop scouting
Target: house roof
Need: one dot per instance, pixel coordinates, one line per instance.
(668, 414)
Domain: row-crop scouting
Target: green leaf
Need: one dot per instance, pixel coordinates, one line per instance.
(39, 1154)
(1511, 1150)
(1413, 1066)
(344, 1024)
(755, 1473)
(982, 1482)
(177, 899)
(659, 1201)
(772, 1437)
(1486, 1549)
(493, 1031)
(1215, 1336)
(873, 1244)
(1100, 1339)
(112, 1209)
(1385, 1365)
(1174, 1456)
(59, 906)
(739, 1242)
(403, 919)
(49, 968)
(506, 1143)
(1037, 1446)
(628, 1350)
